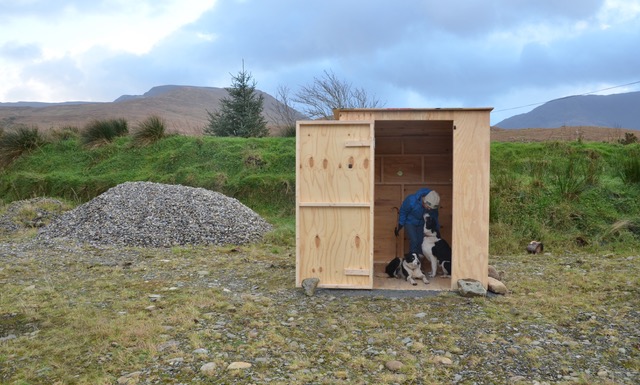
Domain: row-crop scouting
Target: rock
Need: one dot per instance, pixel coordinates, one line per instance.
(7, 338)
(394, 365)
(441, 360)
(129, 379)
(495, 286)
(516, 379)
(471, 288)
(169, 346)
(310, 285)
(493, 273)
(208, 369)
(238, 365)
(535, 247)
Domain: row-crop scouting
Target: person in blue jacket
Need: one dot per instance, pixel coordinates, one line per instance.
(410, 216)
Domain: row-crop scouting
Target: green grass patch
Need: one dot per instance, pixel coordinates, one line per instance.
(566, 194)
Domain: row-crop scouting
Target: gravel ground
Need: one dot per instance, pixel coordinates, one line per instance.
(334, 337)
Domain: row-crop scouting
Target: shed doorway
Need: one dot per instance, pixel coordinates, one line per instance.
(409, 155)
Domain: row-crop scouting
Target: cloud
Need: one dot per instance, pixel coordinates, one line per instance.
(417, 53)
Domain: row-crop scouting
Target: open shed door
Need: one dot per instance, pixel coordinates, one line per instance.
(334, 203)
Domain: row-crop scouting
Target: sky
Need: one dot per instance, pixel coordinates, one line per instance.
(512, 55)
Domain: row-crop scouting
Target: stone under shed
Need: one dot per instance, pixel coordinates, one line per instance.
(353, 173)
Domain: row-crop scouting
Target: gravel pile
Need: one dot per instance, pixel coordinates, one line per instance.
(147, 214)
(29, 213)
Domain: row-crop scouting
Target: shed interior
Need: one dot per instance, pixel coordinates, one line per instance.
(409, 155)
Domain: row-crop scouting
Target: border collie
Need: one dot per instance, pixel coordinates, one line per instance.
(436, 249)
(408, 268)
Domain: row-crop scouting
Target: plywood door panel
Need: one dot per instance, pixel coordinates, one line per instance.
(334, 203)
(336, 244)
(331, 170)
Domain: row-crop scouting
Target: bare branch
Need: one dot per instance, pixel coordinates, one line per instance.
(328, 93)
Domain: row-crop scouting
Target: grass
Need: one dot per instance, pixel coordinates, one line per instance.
(149, 131)
(564, 194)
(247, 169)
(560, 192)
(88, 315)
(96, 319)
(101, 132)
(17, 142)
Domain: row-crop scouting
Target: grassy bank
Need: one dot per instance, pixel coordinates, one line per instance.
(566, 194)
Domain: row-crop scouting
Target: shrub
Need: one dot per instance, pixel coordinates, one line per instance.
(18, 141)
(100, 132)
(149, 131)
(629, 138)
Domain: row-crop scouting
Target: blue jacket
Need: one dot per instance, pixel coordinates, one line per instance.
(411, 212)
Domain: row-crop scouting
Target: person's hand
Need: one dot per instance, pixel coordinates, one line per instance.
(396, 231)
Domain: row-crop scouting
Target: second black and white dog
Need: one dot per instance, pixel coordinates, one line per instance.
(408, 268)
(436, 249)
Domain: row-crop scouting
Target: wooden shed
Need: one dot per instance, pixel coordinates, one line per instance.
(353, 173)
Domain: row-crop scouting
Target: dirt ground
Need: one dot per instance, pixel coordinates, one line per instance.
(585, 133)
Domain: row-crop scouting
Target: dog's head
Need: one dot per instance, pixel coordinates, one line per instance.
(430, 228)
(412, 261)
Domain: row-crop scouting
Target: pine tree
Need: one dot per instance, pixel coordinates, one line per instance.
(241, 113)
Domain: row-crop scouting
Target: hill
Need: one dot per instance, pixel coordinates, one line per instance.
(616, 111)
(184, 109)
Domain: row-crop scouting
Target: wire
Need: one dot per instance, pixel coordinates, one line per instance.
(570, 96)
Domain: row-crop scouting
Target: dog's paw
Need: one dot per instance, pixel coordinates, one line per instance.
(425, 280)
(432, 275)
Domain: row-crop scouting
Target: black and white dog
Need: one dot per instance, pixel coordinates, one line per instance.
(408, 268)
(436, 249)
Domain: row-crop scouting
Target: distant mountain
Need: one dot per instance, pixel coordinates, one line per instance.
(184, 108)
(616, 111)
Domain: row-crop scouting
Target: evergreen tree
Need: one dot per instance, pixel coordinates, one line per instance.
(241, 113)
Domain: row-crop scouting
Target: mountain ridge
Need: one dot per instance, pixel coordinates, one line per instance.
(614, 111)
(183, 107)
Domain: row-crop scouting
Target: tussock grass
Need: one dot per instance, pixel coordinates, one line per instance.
(18, 141)
(630, 169)
(101, 132)
(149, 131)
(64, 133)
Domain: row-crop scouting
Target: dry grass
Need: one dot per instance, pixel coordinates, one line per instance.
(83, 315)
(561, 134)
